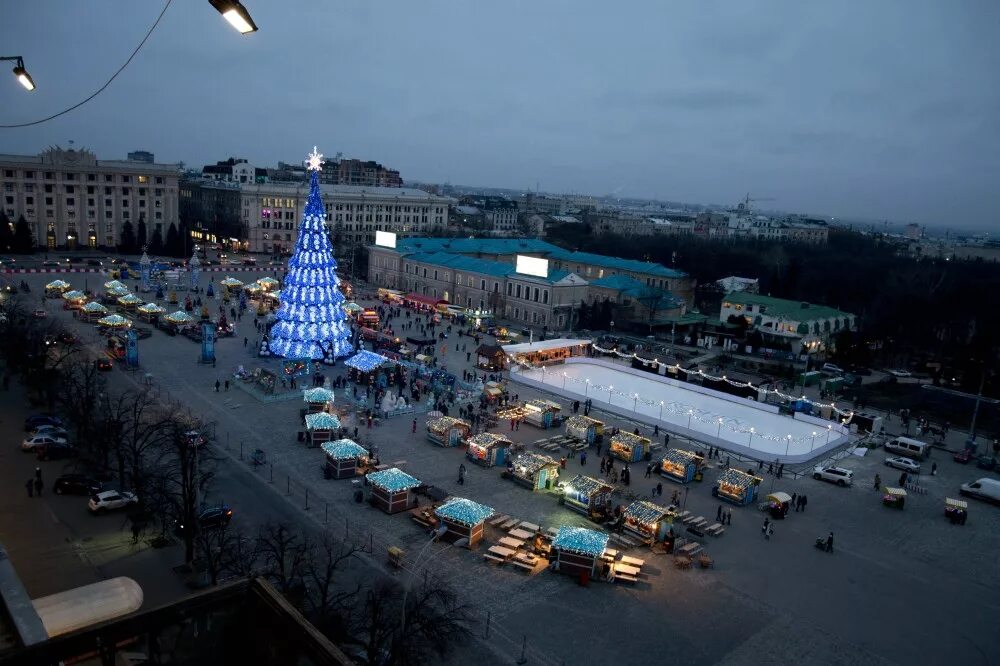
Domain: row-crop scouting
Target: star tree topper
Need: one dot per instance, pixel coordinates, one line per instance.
(315, 161)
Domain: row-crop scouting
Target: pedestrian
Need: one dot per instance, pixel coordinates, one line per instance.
(770, 532)
(763, 530)
(794, 498)
(583, 458)
(461, 475)
(805, 500)
(781, 469)
(602, 465)
(30, 487)
(933, 469)
(599, 442)
(797, 503)
(718, 514)
(729, 516)
(666, 439)
(517, 424)
(710, 452)
(38, 486)
(760, 464)
(413, 427)
(135, 533)
(217, 385)
(770, 468)
(38, 473)
(829, 543)
(659, 489)
(649, 470)
(878, 482)
(227, 385)
(902, 480)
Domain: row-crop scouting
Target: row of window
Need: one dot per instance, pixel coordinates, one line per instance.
(90, 177)
(71, 214)
(71, 189)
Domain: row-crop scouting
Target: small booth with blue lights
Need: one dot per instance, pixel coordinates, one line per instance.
(648, 521)
(448, 431)
(587, 495)
(321, 427)
(584, 428)
(344, 457)
(682, 465)
(541, 413)
(534, 470)
(463, 519)
(578, 551)
(318, 400)
(737, 487)
(629, 447)
(392, 489)
(488, 449)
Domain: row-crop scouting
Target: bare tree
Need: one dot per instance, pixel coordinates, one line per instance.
(188, 469)
(285, 556)
(323, 598)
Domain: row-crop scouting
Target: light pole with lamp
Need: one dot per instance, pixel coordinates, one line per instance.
(690, 414)
(813, 442)
(718, 433)
(416, 566)
(750, 443)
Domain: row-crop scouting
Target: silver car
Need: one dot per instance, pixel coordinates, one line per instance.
(904, 464)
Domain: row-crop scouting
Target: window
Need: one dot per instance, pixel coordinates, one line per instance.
(90, 189)
(8, 173)
(91, 177)
(545, 296)
(142, 191)
(69, 176)
(125, 214)
(142, 203)
(125, 191)
(125, 203)
(48, 201)
(108, 191)
(29, 201)
(143, 179)
(158, 192)
(510, 289)
(519, 291)
(29, 174)
(49, 175)
(158, 215)
(126, 179)
(536, 294)
(48, 189)
(9, 200)
(159, 180)
(90, 202)
(69, 189)
(482, 285)
(108, 178)
(70, 201)
(29, 187)
(107, 203)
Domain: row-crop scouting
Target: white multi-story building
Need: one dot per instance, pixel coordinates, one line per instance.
(271, 212)
(71, 199)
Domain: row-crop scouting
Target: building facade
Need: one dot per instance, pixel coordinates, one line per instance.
(212, 211)
(779, 318)
(359, 172)
(70, 199)
(234, 170)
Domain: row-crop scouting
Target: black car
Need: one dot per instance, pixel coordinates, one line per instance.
(36, 420)
(55, 451)
(94, 262)
(209, 518)
(76, 484)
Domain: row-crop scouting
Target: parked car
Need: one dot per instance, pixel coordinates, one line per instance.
(986, 462)
(963, 456)
(76, 484)
(900, 373)
(51, 264)
(39, 313)
(50, 430)
(904, 464)
(831, 368)
(104, 364)
(842, 477)
(65, 338)
(36, 420)
(55, 451)
(110, 500)
(209, 518)
(31, 443)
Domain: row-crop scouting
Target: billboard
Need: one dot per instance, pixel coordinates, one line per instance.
(532, 266)
(208, 342)
(385, 239)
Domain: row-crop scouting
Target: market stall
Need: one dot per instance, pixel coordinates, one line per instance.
(150, 311)
(778, 505)
(546, 352)
(179, 318)
(343, 458)
(364, 365)
(392, 489)
(129, 301)
(894, 497)
(93, 310)
(956, 511)
(463, 519)
(541, 413)
(629, 447)
(423, 303)
(56, 288)
(490, 358)
(587, 495)
(737, 487)
(232, 284)
(681, 465)
(268, 283)
(494, 391)
(114, 321)
(584, 428)
(74, 299)
(321, 427)
(648, 521)
(578, 551)
(448, 431)
(537, 471)
(318, 399)
(488, 449)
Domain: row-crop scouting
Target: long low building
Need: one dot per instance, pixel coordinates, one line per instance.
(779, 318)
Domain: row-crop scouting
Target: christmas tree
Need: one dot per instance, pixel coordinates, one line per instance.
(311, 319)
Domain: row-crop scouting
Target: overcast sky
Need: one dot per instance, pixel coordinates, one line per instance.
(887, 109)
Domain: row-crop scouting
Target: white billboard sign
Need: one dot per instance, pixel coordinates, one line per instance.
(532, 266)
(385, 239)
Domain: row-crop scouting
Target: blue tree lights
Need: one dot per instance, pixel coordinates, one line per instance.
(311, 319)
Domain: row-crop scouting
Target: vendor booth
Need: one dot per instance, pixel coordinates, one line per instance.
(778, 505)
(179, 318)
(648, 521)
(343, 458)
(629, 447)
(546, 352)
(268, 283)
(392, 489)
(114, 321)
(490, 358)
(318, 400)
(956, 510)
(585, 428)
(681, 465)
(150, 311)
(231, 284)
(56, 288)
(894, 497)
(587, 495)
(448, 431)
(541, 413)
(535, 470)
(74, 299)
(494, 391)
(129, 301)
(737, 487)
(488, 449)
(93, 310)
(321, 427)
(463, 519)
(578, 551)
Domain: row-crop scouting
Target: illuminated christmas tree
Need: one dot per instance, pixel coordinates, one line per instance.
(311, 319)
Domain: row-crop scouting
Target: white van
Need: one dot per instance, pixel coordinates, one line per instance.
(984, 489)
(911, 448)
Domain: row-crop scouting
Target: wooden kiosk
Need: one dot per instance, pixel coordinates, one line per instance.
(541, 413)
(578, 551)
(74, 300)
(93, 311)
(490, 358)
(488, 449)
(320, 427)
(584, 428)
(318, 399)
(587, 495)
(894, 498)
(448, 431)
(536, 471)
(343, 458)
(463, 519)
(681, 465)
(737, 487)
(647, 521)
(629, 447)
(392, 489)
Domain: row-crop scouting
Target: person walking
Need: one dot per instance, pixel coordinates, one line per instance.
(217, 385)
(649, 470)
(666, 439)
(30, 487)
(718, 514)
(461, 474)
(659, 489)
(38, 473)
(798, 504)
(38, 485)
(583, 458)
(246, 341)
(602, 465)
(878, 482)
(794, 498)
(135, 533)
(805, 500)
(829, 543)
(766, 526)
(413, 426)
(729, 516)
(227, 385)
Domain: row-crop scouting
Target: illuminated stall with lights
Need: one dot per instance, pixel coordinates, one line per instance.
(629, 447)
(463, 519)
(536, 471)
(321, 427)
(681, 465)
(56, 288)
(74, 299)
(584, 428)
(318, 399)
(150, 311)
(737, 487)
(648, 521)
(392, 489)
(578, 550)
(541, 413)
(344, 457)
(93, 310)
(546, 352)
(448, 431)
(488, 449)
(587, 495)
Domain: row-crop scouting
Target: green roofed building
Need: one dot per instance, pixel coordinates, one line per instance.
(779, 318)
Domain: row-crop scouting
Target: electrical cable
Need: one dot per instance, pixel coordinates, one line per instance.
(101, 89)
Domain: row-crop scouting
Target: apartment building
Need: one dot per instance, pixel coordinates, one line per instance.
(359, 172)
(70, 199)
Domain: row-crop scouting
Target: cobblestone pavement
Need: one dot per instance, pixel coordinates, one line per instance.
(895, 574)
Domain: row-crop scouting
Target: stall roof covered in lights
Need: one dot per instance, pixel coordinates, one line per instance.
(529, 462)
(464, 511)
(343, 449)
(586, 485)
(94, 307)
(581, 540)
(317, 395)
(645, 512)
(393, 480)
(322, 421)
(366, 361)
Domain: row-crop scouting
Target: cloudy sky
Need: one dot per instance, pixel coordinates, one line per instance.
(887, 109)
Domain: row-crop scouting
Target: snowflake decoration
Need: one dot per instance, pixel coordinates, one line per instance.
(315, 161)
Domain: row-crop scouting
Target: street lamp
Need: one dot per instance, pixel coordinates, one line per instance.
(750, 443)
(610, 389)
(829, 431)
(690, 414)
(661, 410)
(813, 442)
(635, 402)
(718, 433)
(21, 73)
(237, 15)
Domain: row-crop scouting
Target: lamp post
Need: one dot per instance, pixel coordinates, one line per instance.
(690, 414)
(21, 73)
(586, 388)
(406, 588)
(750, 443)
(829, 431)
(564, 380)
(236, 14)
(610, 389)
(813, 442)
(718, 433)
(661, 410)
(635, 402)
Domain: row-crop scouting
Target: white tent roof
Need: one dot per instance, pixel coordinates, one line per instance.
(88, 605)
(543, 345)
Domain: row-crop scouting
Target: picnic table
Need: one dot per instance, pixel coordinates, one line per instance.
(626, 569)
(531, 527)
(518, 533)
(632, 561)
(501, 551)
(611, 552)
(511, 543)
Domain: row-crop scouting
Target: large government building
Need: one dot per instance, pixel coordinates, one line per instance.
(71, 199)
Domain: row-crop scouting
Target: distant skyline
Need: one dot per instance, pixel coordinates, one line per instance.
(885, 110)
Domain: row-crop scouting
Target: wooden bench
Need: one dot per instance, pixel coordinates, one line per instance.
(715, 529)
(682, 515)
(511, 522)
(699, 522)
(626, 578)
(493, 558)
(690, 549)
(632, 561)
(523, 565)
(495, 522)
(398, 463)
(682, 562)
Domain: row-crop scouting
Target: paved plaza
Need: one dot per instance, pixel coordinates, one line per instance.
(902, 587)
